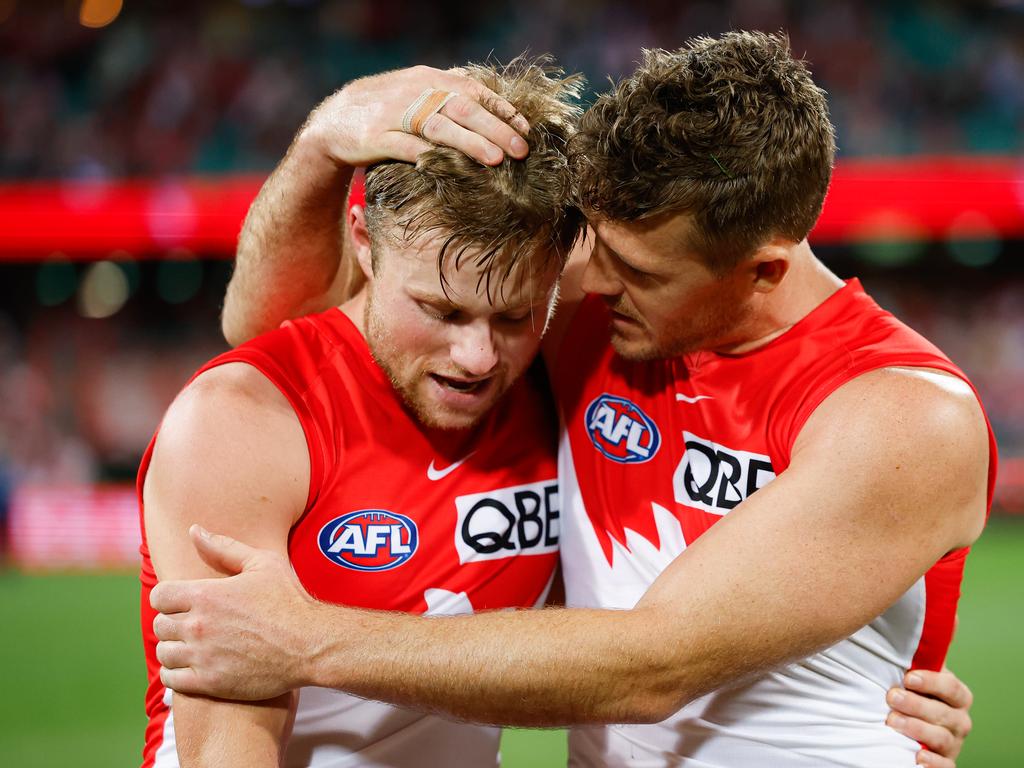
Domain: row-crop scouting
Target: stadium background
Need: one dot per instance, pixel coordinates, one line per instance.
(134, 135)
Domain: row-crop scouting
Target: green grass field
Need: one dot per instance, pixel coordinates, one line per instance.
(71, 669)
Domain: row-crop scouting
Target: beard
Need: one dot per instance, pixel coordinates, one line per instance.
(409, 383)
(713, 326)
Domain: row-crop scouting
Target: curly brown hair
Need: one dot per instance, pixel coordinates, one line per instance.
(520, 211)
(732, 131)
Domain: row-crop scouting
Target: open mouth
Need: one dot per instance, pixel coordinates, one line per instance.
(460, 385)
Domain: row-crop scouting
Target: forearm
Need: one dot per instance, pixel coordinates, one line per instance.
(531, 668)
(289, 247)
(211, 733)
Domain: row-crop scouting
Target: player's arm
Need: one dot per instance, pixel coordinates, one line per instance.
(231, 454)
(888, 475)
(290, 248)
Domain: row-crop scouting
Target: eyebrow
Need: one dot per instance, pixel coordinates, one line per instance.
(441, 301)
(628, 262)
(430, 298)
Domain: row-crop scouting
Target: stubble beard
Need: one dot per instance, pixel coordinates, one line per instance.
(384, 353)
(714, 330)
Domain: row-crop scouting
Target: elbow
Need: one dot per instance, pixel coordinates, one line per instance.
(650, 706)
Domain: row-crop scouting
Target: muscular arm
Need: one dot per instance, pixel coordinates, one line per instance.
(890, 471)
(230, 454)
(289, 258)
(290, 245)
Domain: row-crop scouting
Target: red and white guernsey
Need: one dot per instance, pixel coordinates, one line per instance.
(397, 518)
(654, 453)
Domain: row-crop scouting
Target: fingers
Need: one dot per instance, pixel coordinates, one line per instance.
(172, 654)
(494, 103)
(477, 118)
(935, 737)
(405, 146)
(439, 129)
(171, 597)
(932, 760)
(913, 705)
(169, 627)
(221, 553)
(942, 685)
(493, 127)
(182, 680)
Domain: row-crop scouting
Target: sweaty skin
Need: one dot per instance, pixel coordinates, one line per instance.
(231, 453)
(577, 666)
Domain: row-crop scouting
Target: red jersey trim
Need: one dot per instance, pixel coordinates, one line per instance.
(156, 711)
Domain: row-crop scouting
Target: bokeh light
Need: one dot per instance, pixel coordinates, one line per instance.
(56, 281)
(972, 240)
(103, 291)
(98, 13)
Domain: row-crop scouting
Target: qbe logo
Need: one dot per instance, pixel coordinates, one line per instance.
(520, 520)
(715, 478)
(620, 430)
(369, 540)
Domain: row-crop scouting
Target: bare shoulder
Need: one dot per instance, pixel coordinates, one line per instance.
(937, 406)
(230, 455)
(921, 432)
(228, 405)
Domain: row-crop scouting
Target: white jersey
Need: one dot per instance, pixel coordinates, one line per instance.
(335, 730)
(653, 453)
(828, 710)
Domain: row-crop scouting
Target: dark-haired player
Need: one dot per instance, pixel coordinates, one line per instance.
(768, 483)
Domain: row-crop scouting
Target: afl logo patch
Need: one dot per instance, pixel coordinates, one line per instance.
(620, 430)
(369, 540)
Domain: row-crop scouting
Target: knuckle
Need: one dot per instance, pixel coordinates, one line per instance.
(967, 696)
(943, 742)
(967, 727)
(460, 107)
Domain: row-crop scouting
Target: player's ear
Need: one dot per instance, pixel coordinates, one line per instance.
(769, 265)
(360, 239)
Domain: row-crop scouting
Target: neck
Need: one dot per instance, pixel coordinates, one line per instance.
(805, 286)
(355, 310)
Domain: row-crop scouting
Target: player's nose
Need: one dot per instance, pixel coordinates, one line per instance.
(598, 277)
(474, 350)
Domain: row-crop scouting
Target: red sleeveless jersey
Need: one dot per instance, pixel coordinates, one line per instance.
(656, 452)
(398, 517)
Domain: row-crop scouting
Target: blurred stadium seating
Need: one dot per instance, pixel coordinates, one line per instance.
(131, 148)
(133, 135)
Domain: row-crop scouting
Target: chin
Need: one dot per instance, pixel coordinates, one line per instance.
(448, 420)
(635, 349)
(438, 415)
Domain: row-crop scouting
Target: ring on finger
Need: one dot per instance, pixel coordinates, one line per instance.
(426, 105)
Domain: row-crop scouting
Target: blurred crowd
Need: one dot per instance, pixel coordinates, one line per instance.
(80, 398)
(184, 85)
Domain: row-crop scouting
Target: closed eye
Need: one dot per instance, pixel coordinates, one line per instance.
(438, 312)
(517, 317)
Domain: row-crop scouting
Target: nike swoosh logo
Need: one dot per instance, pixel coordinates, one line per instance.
(436, 474)
(692, 400)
